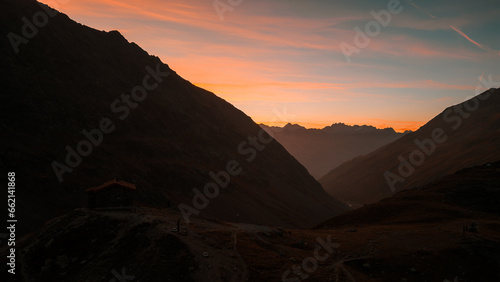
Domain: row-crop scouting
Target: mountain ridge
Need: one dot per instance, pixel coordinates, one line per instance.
(337, 127)
(65, 81)
(451, 141)
(321, 150)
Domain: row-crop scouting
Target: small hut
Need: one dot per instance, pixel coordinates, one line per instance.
(114, 193)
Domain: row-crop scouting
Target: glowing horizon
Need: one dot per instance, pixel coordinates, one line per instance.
(270, 55)
(400, 126)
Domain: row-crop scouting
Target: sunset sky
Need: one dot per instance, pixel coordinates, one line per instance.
(281, 61)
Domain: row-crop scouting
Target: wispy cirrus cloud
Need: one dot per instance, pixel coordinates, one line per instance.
(421, 10)
(446, 22)
(484, 47)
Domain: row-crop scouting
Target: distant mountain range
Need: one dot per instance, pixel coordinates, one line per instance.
(321, 150)
(464, 135)
(82, 106)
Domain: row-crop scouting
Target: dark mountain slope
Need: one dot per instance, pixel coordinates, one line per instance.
(462, 136)
(418, 234)
(69, 78)
(466, 194)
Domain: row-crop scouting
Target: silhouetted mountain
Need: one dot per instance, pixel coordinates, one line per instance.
(465, 135)
(85, 106)
(321, 150)
(464, 194)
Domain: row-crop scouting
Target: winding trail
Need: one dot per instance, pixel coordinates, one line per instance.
(244, 275)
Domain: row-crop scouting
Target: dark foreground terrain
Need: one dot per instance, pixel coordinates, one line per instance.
(415, 236)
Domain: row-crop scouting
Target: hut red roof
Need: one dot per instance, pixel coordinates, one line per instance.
(111, 183)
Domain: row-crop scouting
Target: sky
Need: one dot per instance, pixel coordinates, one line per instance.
(317, 62)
